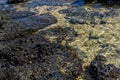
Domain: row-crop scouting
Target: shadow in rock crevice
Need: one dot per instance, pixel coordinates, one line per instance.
(17, 1)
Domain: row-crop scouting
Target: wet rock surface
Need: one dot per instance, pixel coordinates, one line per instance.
(79, 15)
(38, 59)
(101, 71)
(26, 53)
(57, 40)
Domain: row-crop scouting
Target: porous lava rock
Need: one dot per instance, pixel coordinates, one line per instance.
(26, 53)
(38, 58)
(101, 71)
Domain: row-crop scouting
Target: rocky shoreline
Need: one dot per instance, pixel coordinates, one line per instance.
(60, 42)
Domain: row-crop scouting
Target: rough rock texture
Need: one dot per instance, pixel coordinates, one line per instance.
(26, 53)
(34, 57)
(79, 15)
(100, 71)
(55, 40)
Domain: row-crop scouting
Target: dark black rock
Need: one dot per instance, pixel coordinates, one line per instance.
(100, 71)
(118, 51)
(16, 1)
(103, 22)
(104, 2)
(24, 50)
(22, 14)
(75, 21)
(91, 36)
(109, 2)
(81, 16)
(24, 24)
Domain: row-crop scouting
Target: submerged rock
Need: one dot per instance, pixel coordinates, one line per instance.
(79, 15)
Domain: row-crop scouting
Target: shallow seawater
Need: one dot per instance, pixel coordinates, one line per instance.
(54, 39)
